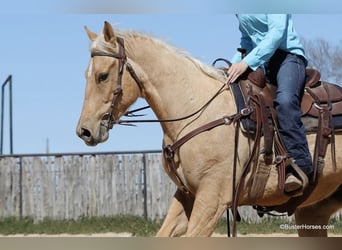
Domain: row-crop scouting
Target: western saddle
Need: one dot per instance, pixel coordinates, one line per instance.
(321, 107)
(321, 113)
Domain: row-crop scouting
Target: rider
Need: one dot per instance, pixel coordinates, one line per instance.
(272, 44)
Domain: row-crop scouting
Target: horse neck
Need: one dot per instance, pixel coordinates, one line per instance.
(174, 85)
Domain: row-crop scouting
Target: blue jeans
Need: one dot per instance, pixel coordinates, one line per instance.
(287, 71)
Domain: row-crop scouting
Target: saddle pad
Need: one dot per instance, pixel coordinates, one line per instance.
(247, 124)
(311, 123)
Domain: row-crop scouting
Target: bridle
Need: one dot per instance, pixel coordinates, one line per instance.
(108, 120)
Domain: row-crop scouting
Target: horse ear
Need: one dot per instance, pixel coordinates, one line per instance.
(108, 33)
(92, 36)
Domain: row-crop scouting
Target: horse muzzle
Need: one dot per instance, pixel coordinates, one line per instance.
(90, 137)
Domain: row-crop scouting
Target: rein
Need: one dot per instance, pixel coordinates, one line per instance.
(131, 113)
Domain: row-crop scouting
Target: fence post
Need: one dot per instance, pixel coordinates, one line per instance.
(9, 81)
(145, 186)
(21, 199)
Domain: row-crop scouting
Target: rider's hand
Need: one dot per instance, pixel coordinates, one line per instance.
(236, 70)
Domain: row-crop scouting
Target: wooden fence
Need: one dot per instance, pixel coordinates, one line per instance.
(73, 186)
(70, 186)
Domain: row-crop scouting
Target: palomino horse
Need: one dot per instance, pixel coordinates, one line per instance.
(125, 66)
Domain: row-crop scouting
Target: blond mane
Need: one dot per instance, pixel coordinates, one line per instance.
(100, 45)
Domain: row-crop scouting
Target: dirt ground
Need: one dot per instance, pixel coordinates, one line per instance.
(113, 235)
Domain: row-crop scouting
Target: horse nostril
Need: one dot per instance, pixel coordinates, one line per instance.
(85, 133)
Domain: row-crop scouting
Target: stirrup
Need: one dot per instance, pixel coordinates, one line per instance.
(298, 173)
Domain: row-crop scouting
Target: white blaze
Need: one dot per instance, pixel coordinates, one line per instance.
(90, 68)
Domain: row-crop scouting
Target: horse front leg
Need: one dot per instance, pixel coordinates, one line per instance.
(210, 203)
(204, 218)
(177, 218)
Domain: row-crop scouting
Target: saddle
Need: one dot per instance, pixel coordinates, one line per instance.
(317, 95)
(321, 113)
(321, 106)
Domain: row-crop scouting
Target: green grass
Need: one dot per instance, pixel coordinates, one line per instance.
(137, 226)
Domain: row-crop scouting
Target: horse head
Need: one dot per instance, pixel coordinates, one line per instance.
(110, 90)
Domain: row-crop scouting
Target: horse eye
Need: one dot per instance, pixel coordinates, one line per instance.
(102, 77)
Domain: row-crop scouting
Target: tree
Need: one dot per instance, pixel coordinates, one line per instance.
(326, 58)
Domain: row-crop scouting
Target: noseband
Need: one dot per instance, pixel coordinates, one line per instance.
(108, 119)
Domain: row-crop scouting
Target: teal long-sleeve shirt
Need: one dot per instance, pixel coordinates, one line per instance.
(263, 34)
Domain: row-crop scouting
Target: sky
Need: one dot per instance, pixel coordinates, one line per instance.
(45, 49)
